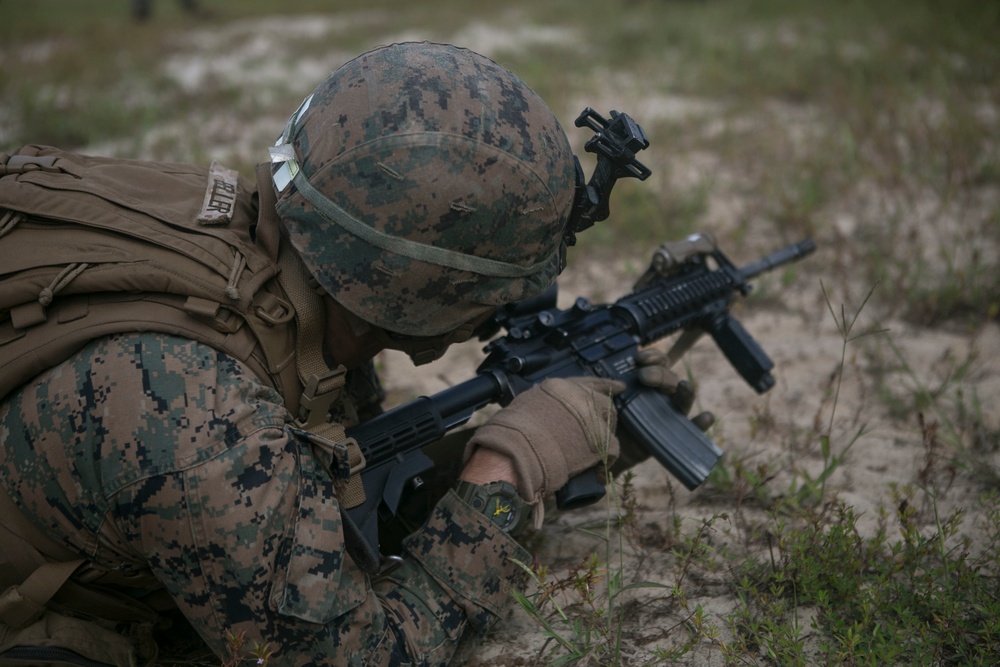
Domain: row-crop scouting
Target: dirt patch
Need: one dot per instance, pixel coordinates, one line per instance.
(805, 344)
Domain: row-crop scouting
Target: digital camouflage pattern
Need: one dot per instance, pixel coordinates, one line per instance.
(145, 451)
(437, 145)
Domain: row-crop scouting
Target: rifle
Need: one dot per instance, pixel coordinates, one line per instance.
(543, 341)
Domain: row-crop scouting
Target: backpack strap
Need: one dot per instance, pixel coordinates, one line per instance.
(25, 546)
(35, 570)
(24, 604)
(322, 386)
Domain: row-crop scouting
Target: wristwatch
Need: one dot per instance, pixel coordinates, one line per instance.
(499, 501)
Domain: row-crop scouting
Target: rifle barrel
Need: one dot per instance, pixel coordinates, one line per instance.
(792, 253)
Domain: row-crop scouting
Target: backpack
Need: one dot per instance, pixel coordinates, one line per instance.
(91, 246)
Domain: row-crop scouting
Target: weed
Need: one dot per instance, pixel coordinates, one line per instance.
(959, 428)
(922, 599)
(240, 654)
(588, 603)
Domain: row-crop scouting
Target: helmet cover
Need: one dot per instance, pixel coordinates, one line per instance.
(423, 185)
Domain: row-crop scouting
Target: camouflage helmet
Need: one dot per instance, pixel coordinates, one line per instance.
(423, 184)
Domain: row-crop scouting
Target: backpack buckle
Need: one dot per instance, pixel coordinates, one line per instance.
(319, 395)
(214, 314)
(272, 310)
(19, 164)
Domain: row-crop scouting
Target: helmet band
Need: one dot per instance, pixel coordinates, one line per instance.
(425, 253)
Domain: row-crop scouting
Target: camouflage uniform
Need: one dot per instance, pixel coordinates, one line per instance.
(151, 451)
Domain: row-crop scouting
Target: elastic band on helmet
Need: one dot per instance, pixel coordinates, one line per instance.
(483, 266)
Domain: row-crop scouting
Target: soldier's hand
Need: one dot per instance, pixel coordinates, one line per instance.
(655, 373)
(553, 432)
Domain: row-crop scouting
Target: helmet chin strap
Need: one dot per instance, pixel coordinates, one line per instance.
(421, 349)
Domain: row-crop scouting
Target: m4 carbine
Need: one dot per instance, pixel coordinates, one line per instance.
(691, 296)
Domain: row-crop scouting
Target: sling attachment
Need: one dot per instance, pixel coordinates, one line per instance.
(319, 395)
(344, 457)
(322, 386)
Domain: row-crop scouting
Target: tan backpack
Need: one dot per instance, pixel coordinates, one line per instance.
(91, 246)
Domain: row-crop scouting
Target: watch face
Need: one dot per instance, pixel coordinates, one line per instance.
(501, 511)
(498, 501)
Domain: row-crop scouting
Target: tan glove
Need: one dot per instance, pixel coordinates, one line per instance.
(655, 373)
(553, 432)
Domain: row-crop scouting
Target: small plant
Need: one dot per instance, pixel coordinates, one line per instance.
(240, 654)
(928, 598)
(808, 489)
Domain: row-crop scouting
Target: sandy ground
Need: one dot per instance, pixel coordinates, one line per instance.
(799, 332)
(805, 344)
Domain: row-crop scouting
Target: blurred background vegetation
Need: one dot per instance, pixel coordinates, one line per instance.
(872, 125)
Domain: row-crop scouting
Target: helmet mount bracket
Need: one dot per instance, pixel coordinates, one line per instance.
(615, 142)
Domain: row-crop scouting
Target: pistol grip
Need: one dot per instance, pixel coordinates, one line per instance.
(580, 491)
(651, 419)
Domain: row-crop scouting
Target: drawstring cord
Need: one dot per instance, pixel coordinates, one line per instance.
(9, 220)
(64, 278)
(239, 264)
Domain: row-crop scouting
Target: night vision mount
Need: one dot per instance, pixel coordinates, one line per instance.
(615, 142)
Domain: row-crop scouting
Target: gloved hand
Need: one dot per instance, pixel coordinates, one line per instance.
(553, 432)
(655, 373)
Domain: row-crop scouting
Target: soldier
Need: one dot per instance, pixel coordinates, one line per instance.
(190, 439)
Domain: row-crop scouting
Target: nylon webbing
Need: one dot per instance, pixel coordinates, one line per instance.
(294, 279)
(25, 547)
(31, 581)
(322, 386)
(426, 253)
(21, 605)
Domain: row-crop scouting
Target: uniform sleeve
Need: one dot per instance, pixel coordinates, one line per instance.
(458, 570)
(160, 452)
